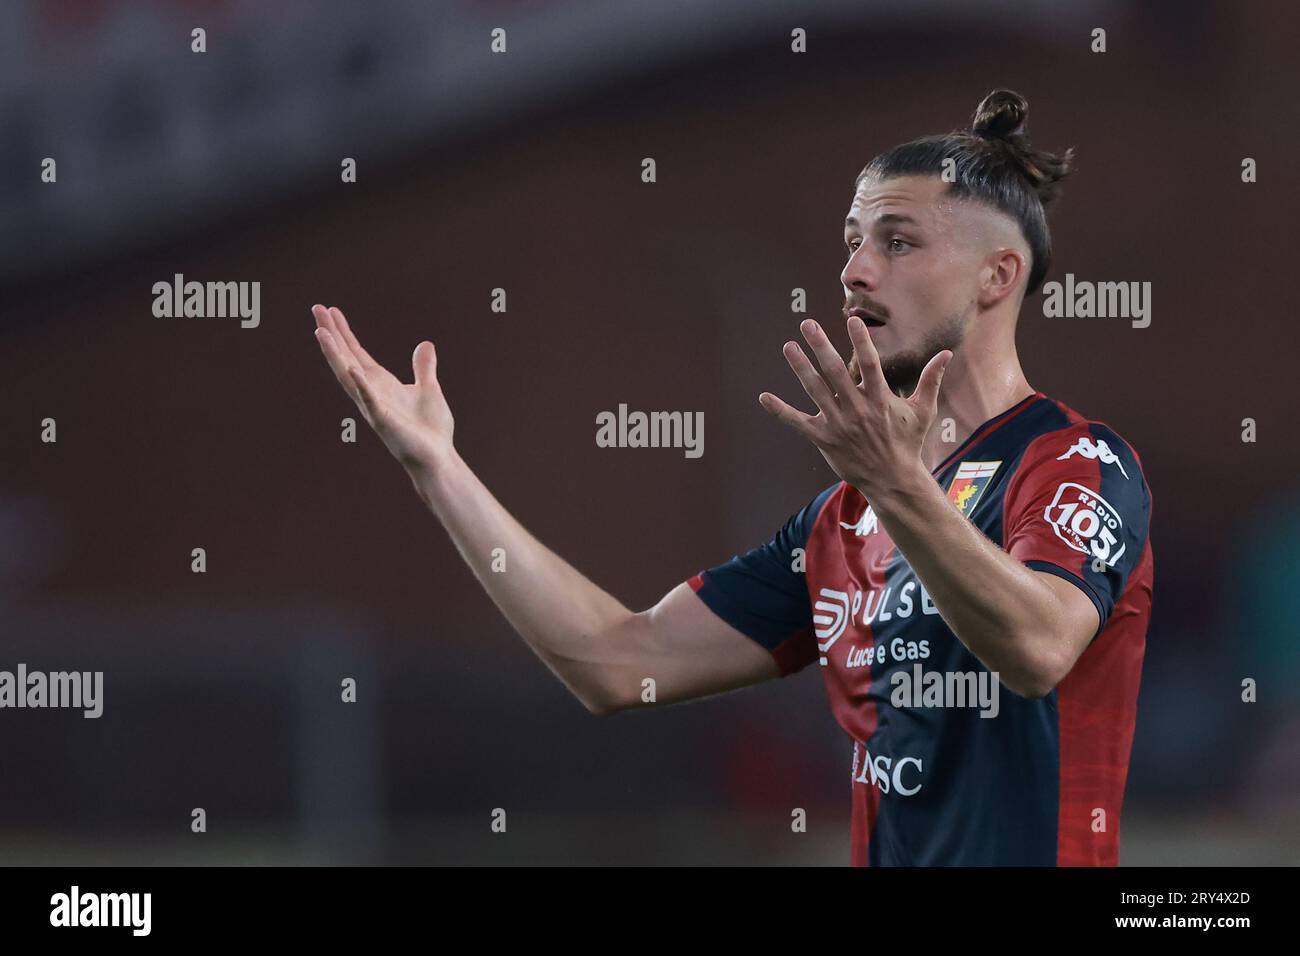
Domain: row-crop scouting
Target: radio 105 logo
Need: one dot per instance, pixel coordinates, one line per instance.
(1086, 522)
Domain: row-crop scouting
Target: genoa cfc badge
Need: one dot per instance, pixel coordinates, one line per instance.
(969, 483)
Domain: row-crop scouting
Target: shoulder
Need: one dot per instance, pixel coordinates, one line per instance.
(1077, 442)
(1074, 465)
(807, 518)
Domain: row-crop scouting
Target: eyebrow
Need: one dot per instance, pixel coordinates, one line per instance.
(889, 218)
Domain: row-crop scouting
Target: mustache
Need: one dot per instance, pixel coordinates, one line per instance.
(875, 310)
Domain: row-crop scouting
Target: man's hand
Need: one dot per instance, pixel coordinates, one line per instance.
(869, 436)
(599, 648)
(413, 421)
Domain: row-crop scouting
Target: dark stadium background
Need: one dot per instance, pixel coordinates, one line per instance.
(522, 171)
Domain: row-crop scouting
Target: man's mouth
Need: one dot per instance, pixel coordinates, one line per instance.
(867, 318)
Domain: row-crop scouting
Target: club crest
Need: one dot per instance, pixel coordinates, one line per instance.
(969, 483)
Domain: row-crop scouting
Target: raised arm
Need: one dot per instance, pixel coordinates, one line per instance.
(601, 650)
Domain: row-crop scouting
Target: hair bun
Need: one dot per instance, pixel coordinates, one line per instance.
(1001, 115)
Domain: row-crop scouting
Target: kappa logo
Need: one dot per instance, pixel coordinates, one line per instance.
(829, 619)
(867, 524)
(1099, 451)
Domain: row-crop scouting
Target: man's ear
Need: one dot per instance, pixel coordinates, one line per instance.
(1004, 271)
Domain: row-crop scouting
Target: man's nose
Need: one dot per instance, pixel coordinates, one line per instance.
(859, 272)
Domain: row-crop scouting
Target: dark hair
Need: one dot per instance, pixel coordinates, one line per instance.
(993, 163)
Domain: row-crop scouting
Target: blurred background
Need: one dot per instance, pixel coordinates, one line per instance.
(522, 170)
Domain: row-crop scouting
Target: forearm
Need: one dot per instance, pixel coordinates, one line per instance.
(999, 609)
(570, 622)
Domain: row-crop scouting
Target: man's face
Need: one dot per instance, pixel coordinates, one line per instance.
(912, 271)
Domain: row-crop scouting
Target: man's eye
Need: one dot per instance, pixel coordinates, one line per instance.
(853, 244)
(897, 245)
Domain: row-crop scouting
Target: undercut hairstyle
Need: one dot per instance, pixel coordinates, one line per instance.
(993, 163)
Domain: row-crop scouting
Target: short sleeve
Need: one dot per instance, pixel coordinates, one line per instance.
(764, 595)
(1078, 506)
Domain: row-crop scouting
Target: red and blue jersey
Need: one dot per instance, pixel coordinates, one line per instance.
(1002, 780)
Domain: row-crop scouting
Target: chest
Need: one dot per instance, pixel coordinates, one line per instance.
(870, 611)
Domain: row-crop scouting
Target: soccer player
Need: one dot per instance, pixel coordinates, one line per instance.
(975, 589)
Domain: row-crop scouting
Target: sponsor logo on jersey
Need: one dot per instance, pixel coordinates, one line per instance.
(867, 524)
(969, 483)
(830, 617)
(835, 610)
(901, 776)
(1086, 522)
(898, 649)
(1099, 451)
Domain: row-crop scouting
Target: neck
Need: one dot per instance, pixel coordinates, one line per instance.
(980, 382)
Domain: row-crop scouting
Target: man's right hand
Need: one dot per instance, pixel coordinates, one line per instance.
(413, 421)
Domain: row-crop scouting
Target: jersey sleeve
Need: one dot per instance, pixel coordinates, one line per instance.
(764, 595)
(1078, 506)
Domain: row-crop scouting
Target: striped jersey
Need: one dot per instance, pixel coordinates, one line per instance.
(949, 767)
